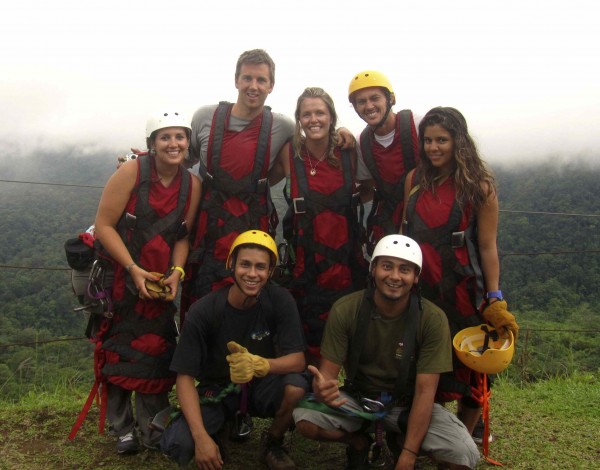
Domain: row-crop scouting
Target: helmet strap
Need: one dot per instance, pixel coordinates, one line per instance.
(248, 299)
(388, 97)
(231, 269)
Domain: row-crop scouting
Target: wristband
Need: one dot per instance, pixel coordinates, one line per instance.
(495, 294)
(129, 266)
(181, 271)
(410, 451)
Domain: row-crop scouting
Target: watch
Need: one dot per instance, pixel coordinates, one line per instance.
(495, 294)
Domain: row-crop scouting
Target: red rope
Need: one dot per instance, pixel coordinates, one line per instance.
(484, 394)
(99, 389)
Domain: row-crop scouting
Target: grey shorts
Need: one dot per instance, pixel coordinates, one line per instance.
(447, 439)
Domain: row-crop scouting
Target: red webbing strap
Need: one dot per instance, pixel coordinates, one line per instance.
(485, 411)
(84, 411)
(99, 385)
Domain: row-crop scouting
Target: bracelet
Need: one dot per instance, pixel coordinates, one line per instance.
(129, 266)
(181, 271)
(411, 451)
(496, 294)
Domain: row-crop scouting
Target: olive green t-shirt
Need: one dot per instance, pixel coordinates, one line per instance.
(378, 364)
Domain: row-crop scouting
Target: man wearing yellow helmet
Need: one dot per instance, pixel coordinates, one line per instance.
(388, 150)
(247, 333)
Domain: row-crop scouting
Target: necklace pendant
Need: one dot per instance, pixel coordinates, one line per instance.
(313, 172)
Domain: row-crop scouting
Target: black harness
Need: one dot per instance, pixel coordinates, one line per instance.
(217, 187)
(388, 195)
(139, 228)
(452, 271)
(135, 231)
(344, 201)
(407, 371)
(407, 366)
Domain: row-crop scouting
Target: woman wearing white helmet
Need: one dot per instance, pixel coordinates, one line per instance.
(141, 224)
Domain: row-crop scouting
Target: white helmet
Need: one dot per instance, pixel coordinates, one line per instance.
(398, 246)
(162, 120)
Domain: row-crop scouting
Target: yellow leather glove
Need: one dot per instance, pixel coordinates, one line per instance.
(158, 289)
(500, 318)
(243, 365)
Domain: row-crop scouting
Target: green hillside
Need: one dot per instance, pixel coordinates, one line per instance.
(550, 267)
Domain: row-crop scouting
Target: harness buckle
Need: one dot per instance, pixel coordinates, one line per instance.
(299, 205)
(207, 180)
(262, 186)
(458, 239)
(182, 231)
(130, 220)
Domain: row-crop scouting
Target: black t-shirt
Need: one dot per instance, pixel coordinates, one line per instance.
(269, 329)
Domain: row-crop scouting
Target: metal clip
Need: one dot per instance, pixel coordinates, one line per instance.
(371, 406)
(299, 205)
(379, 456)
(242, 426)
(97, 271)
(97, 292)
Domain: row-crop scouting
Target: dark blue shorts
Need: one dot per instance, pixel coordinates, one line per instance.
(264, 399)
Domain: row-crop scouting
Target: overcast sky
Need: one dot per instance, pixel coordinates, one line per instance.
(524, 73)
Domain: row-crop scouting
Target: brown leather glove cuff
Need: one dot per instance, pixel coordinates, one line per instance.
(500, 318)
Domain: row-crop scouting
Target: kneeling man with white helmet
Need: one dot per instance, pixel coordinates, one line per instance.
(393, 346)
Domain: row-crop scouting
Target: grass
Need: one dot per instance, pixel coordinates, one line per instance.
(544, 425)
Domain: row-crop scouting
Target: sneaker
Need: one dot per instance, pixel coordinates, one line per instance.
(273, 454)
(478, 433)
(128, 444)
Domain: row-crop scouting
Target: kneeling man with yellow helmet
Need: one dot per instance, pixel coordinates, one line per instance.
(245, 347)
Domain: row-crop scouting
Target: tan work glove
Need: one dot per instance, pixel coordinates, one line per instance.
(158, 289)
(500, 318)
(243, 365)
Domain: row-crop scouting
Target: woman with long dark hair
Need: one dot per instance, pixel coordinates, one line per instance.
(451, 210)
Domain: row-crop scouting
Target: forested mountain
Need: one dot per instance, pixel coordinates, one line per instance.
(551, 291)
(567, 230)
(36, 304)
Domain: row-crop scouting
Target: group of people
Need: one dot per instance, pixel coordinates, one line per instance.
(381, 301)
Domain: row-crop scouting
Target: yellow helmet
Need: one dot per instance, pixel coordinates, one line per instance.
(253, 237)
(366, 79)
(483, 350)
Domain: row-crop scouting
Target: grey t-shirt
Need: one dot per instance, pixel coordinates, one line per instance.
(282, 130)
